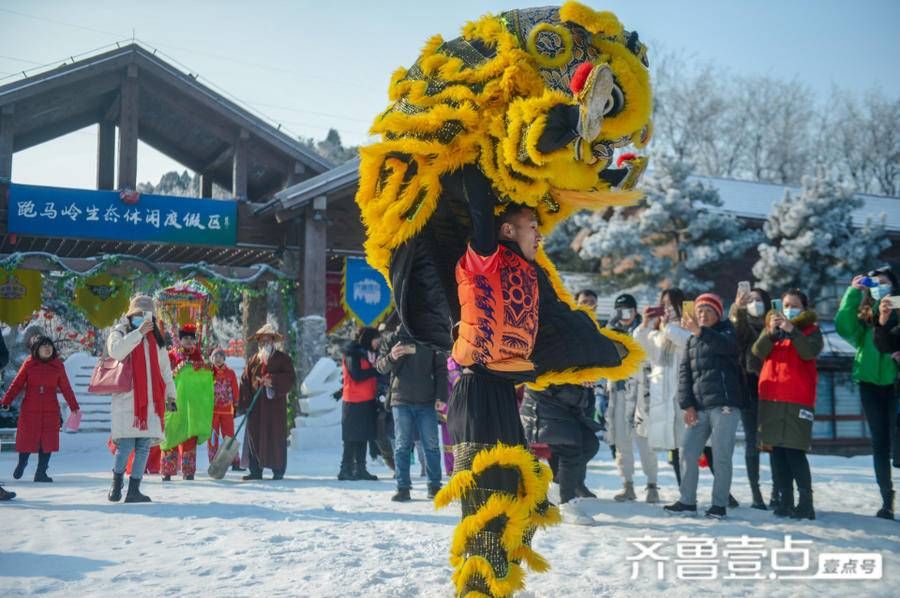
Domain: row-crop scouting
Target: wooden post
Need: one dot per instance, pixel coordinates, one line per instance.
(314, 257)
(205, 185)
(106, 155)
(239, 164)
(253, 312)
(6, 141)
(128, 130)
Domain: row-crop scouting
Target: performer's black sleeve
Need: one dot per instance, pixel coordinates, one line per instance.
(561, 128)
(481, 200)
(355, 369)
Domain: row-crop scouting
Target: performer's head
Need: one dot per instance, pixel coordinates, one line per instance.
(519, 223)
(368, 338)
(187, 336)
(44, 349)
(217, 357)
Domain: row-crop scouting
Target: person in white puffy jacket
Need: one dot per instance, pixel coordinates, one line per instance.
(138, 415)
(664, 340)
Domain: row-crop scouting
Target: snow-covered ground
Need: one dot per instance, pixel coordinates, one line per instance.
(310, 535)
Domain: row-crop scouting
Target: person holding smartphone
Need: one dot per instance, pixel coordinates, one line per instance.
(748, 314)
(787, 398)
(137, 416)
(873, 370)
(887, 340)
(711, 394)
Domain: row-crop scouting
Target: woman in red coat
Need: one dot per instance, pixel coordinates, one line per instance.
(788, 347)
(39, 417)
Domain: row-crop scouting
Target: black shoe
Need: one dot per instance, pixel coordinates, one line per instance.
(134, 492)
(345, 475)
(277, 476)
(887, 508)
(758, 501)
(679, 508)
(363, 474)
(41, 476)
(774, 499)
(115, 491)
(581, 491)
(732, 502)
(167, 478)
(252, 476)
(402, 495)
(433, 490)
(189, 477)
(715, 512)
(20, 468)
(804, 508)
(785, 502)
(5, 495)
(237, 468)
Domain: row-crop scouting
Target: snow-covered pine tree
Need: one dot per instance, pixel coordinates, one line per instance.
(811, 243)
(674, 235)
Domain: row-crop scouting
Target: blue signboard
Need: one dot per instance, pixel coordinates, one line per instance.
(84, 214)
(367, 295)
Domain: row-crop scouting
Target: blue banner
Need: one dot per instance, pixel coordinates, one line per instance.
(84, 214)
(367, 295)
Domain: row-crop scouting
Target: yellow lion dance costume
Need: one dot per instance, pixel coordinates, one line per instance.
(537, 104)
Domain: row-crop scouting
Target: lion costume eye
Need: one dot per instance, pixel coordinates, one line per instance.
(615, 103)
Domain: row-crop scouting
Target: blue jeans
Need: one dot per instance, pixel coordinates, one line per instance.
(141, 448)
(409, 419)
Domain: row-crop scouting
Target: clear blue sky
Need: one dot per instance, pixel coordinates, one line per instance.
(311, 65)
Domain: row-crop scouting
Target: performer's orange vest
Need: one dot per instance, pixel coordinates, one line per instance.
(498, 298)
(355, 391)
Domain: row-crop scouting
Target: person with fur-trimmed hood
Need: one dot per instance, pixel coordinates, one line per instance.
(270, 372)
(787, 398)
(40, 376)
(624, 408)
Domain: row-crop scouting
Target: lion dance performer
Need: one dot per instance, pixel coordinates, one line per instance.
(504, 132)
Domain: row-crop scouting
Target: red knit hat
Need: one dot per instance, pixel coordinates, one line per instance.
(710, 300)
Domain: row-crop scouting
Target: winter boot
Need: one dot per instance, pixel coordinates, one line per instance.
(582, 491)
(40, 474)
(733, 502)
(571, 513)
(115, 491)
(433, 490)
(785, 501)
(652, 494)
(679, 508)
(167, 478)
(887, 508)
(774, 498)
(758, 501)
(134, 492)
(345, 474)
(20, 468)
(715, 512)
(804, 508)
(627, 493)
(253, 475)
(4, 495)
(361, 473)
(189, 477)
(402, 495)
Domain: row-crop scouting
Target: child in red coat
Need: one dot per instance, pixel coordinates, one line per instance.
(227, 395)
(39, 418)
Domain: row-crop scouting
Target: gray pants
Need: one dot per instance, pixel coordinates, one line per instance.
(720, 423)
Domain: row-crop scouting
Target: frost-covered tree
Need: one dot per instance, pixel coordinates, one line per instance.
(674, 235)
(811, 243)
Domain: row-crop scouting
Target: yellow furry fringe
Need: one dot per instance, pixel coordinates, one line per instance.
(599, 22)
(520, 513)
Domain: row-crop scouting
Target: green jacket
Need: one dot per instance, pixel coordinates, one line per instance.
(870, 365)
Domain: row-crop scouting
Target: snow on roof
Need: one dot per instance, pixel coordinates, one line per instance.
(752, 199)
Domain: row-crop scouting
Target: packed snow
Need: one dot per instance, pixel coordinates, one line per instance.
(311, 535)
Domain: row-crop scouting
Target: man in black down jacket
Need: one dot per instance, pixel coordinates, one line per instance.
(560, 417)
(418, 379)
(711, 394)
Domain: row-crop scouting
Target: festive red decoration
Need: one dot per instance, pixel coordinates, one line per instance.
(129, 197)
(626, 157)
(580, 77)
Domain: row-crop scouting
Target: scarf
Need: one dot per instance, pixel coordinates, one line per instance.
(139, 373)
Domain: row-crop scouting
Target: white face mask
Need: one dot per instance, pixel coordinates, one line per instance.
(756, 309)
(626, 314)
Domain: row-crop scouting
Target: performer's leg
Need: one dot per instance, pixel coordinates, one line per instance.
(169, 462)
(189, 457)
